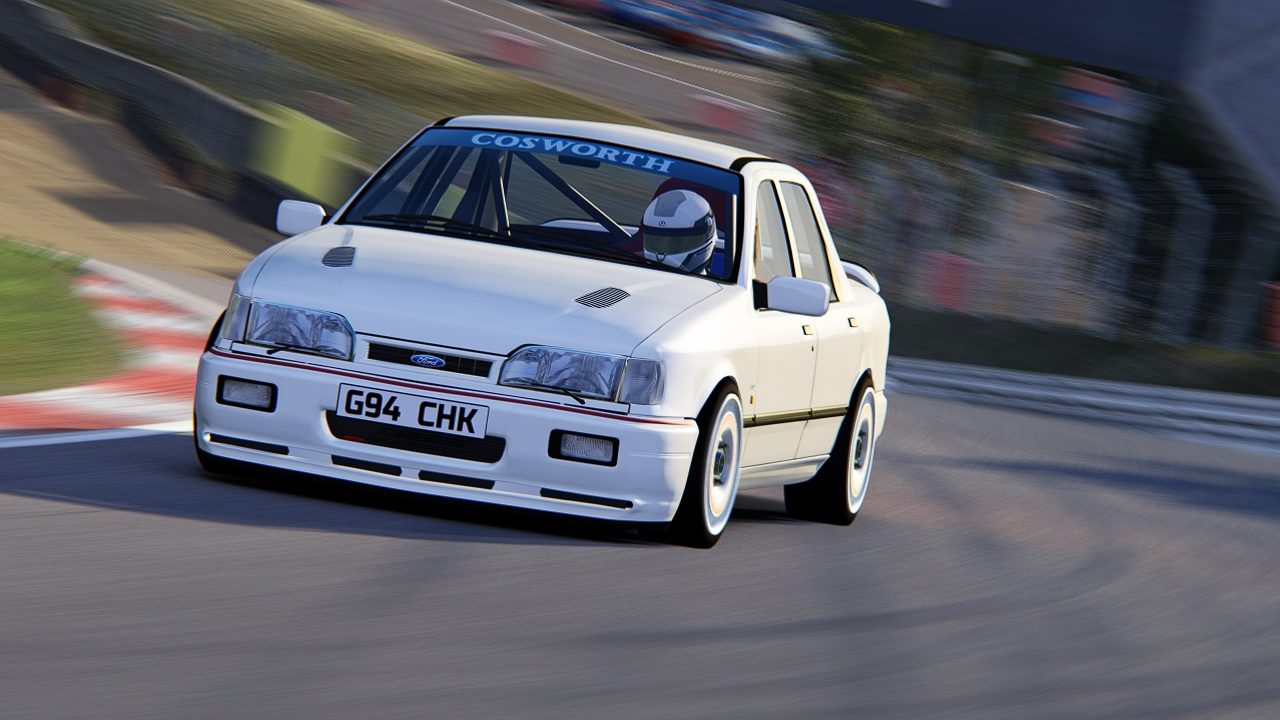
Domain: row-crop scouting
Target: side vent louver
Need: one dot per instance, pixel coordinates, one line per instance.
(341, 256)
(603, 298)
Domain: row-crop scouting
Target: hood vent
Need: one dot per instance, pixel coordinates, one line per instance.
(603, 298)
(341, 256)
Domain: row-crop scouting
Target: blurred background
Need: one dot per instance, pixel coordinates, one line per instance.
(1090, 190)
(1085, 189)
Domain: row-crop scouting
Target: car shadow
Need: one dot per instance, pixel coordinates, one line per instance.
(160, 475)
(762, 506)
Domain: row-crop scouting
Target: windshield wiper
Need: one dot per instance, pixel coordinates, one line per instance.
(553, 388)
(321, 350)
(278, 346)
(424, 219)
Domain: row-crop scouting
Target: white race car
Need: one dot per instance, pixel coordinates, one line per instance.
(574, 317)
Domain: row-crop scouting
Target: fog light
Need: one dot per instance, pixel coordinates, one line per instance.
(248, 394)
(584, 448)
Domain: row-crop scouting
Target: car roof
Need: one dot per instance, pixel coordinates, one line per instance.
(658, 141)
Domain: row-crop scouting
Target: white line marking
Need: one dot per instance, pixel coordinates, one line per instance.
(171, 360)
(606, 58)
(135, 318)
(203, 308)
(642, 51)
(109, 291)
(83, 436)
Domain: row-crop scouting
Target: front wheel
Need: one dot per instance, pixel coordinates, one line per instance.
(836, 493)
(712, 486)
(210, 462)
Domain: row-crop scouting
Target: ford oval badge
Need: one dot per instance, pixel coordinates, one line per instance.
(430, 361)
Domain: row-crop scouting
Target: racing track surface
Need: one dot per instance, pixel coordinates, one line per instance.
(592, 58)
(1006, 565)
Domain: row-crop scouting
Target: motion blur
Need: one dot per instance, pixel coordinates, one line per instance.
(1071, 209)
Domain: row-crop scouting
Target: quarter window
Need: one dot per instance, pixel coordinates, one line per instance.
(814, 264)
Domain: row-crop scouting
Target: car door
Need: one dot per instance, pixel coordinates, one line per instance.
(778, 403)
(838, 333)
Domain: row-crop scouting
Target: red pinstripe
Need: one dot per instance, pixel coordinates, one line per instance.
(449, 390)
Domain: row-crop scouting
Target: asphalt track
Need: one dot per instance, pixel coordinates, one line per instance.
(595, 59)
(1005, 565)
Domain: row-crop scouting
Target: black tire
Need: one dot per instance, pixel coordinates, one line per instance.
(217, 465)
(697, 523)
(210, 462)
(829, 497)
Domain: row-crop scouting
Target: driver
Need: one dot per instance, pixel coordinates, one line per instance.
(679, 230)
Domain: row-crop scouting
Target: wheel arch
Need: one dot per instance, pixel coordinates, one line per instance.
(866, 380)
(713, 388)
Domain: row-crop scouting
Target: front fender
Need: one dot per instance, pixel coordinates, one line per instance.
(699, 349)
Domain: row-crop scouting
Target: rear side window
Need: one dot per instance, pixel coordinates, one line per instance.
(773, 256)
(814, 264)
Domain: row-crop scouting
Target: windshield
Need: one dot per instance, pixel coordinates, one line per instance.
(547, 192)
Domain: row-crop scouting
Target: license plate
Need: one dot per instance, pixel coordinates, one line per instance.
(421, 412)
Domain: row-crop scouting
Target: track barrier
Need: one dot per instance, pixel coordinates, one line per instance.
(721, 114)
(517, 50)
(950, 278)
(1271, 316)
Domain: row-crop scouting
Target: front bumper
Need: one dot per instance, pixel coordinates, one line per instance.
(645, 485)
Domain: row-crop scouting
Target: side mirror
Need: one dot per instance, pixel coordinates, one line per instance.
(295, 216)
(794, 295)
(862, 275)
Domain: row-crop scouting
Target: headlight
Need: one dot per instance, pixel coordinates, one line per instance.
(593, 375)
(287, 327)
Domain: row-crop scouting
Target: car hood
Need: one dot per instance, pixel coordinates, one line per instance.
(469, 294)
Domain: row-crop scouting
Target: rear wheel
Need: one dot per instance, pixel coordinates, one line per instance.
(712, 486)
(836, 493)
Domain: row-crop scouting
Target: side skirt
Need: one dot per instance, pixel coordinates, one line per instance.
(780, 473)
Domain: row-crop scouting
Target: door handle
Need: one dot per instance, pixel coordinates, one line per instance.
(853, 322)
(808, 329)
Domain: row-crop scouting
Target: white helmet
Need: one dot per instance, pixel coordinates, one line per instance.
(679, 230)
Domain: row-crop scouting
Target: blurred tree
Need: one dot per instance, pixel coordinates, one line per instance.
(887, 89)
(842, 101)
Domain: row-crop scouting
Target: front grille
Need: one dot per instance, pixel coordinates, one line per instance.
(452, 363)
(485, 450)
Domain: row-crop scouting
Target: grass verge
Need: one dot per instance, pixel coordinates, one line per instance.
(950, 337)
(49, 336)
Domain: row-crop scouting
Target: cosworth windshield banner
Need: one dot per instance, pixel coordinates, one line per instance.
(585, 150)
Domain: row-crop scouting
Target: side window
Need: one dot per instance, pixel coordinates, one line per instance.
(814, 264)
(772, 256)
